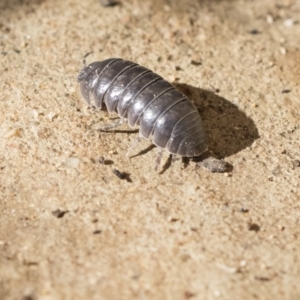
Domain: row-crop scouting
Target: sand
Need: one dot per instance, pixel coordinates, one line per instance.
(71, 229)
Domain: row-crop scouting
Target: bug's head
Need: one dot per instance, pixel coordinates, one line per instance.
(87, 80)
(90, 71)
(93, 83)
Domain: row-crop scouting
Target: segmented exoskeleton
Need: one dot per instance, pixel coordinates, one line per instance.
(163, 113)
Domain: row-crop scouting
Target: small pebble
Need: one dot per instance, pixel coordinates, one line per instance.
(51, 115)
(243, 263)
(34, 114)
(270, 19)
(288, 22)
(213, 165)
(72, 162)
(276, 171)
(217, 293)
(282, 50)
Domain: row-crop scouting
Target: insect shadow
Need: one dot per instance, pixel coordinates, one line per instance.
(130, 131)
(144, 151)
(229, 129)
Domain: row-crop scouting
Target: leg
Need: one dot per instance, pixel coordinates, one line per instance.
(133, 145)
(84, 58)
(112, 125)
(175, 157)
(158, 158)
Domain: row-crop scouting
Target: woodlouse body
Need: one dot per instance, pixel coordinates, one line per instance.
(164, 114)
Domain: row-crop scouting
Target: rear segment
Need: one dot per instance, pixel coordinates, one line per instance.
(180, 130)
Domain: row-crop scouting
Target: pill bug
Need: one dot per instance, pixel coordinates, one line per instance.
(163, 113)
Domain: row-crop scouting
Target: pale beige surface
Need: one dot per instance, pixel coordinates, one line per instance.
(183, 234)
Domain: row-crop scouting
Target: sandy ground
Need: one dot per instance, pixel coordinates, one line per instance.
(71, 229)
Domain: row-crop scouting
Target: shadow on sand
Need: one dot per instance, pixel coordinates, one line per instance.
(229, 130)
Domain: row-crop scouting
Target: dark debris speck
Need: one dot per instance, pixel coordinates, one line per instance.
(102, 161)
(254, 227)
(196, 63)
(254, 31)
(189, 295)
(28, 297)
(262, 278)
(109, 3)
(122, 175)
(59, 213)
